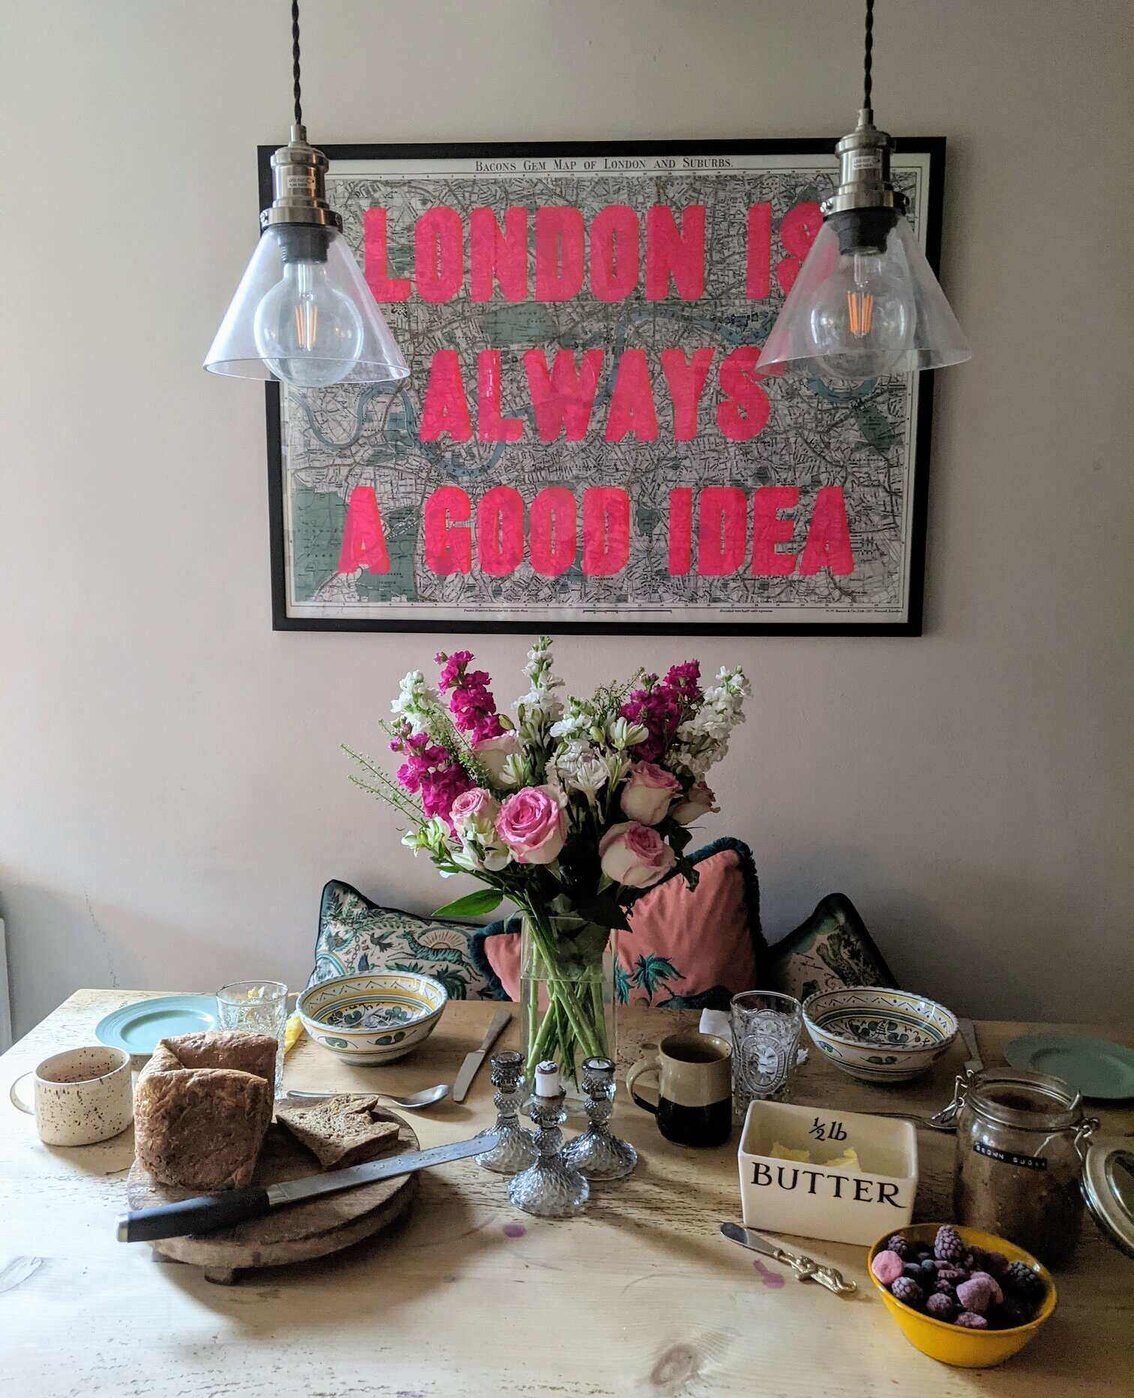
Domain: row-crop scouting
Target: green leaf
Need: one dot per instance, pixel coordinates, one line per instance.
(484, 900)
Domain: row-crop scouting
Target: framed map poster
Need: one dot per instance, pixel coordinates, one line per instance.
(585, 442)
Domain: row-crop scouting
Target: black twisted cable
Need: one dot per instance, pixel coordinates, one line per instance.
(868, 56)
(295, 62)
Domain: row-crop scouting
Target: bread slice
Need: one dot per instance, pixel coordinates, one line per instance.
(202, 1107)
(340, 1131)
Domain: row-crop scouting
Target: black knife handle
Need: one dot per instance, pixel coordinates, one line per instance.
(204, 1214)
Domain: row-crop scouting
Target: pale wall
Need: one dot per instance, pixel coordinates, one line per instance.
(171, 793)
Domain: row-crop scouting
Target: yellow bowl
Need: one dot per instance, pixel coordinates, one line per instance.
(954, 1344)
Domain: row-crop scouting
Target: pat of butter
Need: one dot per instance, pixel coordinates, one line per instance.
(847, 1161)
(781, 1152)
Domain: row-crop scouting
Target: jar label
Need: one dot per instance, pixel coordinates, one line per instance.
(1029, 1162)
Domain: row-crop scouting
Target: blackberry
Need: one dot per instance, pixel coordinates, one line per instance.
(907, 1291)
(913, 1271)
(971, 1321)
(899, 1245)
(1013, 1312)
(950, 1277)
(1020, 1278)
(949, 1246)
(941, 1307)
(996, 1264)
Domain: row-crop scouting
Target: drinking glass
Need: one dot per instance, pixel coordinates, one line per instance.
(765, 1044)
(256, 1007)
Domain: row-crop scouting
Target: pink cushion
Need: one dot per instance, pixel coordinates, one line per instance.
(702, 933)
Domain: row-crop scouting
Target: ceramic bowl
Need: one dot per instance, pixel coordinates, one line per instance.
(373, 1018)
(953, 1344)
(879, 1035)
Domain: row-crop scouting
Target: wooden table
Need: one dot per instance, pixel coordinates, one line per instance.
(639, 1296)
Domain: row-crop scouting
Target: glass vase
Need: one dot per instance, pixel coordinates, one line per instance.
(567, 1001)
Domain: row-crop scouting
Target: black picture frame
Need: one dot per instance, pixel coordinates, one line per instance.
(933, 147)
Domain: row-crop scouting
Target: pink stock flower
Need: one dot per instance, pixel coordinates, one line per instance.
(431, 772)
(635, 855)
(533, 825)
(471, 703)
(699, 800)
(662, 705)
(648, 793)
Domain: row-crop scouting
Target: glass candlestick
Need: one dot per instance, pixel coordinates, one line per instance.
(549, 1188)
(597, 1153)
(515, 1146)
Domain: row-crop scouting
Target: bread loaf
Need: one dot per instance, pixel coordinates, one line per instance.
(340, 1131)
(202, 1106)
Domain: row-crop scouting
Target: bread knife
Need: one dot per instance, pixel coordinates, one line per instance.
(471, 1065)
(209, 1212)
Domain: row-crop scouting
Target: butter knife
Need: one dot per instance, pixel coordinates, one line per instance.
(471, 1065)
(805, 1268)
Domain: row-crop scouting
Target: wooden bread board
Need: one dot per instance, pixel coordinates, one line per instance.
(295, 1232)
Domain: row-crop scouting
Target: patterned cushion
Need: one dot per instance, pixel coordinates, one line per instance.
(356, 935)
(832, 949)
(689, 948)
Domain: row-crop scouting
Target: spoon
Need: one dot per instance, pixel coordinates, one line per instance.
(415, 1102)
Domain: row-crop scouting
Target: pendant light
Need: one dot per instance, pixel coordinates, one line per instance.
(865, 302)
(303, 312)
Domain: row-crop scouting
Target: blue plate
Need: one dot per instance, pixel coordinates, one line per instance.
(138, 1027)
(1096, 1067)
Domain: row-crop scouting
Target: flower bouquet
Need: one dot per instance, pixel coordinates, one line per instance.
(570, 810)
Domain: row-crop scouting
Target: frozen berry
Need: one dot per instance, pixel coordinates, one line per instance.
(948, 1245)
(908, 1292)
(887, 1267)
(975, 1294)
(972, 1321)
(913, 1271)
(1013, 1312)
(941, 1307)
(951, 1277)
(1021, 1279)
(993, 1286)
(899, 1245)
(995, 1263)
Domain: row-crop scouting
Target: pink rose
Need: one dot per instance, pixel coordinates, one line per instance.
(477, 808)
(533, 825)
(649, 792)
(492, 753)
(699, 801)
(635, 855)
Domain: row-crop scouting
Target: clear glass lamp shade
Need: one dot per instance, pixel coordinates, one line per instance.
(308, 321)
(854, 316)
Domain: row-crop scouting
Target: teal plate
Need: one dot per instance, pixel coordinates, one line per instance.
(138, 1027)
(1096, 1067)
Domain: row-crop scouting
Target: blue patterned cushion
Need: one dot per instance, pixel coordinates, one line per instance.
(356, 935)
(828, 951)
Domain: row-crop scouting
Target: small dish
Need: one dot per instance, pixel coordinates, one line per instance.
(138, 1028)
(953, 1344)
(879, 1035)
(373, 1018)
(1095, 1067)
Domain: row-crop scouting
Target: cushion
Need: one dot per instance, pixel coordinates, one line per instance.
(356, 936)
(831, 949)
(689, 948)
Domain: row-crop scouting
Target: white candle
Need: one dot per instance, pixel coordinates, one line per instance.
(547, 1079)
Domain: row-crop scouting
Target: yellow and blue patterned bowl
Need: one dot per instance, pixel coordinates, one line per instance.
(373, 1018)
(879, 1035)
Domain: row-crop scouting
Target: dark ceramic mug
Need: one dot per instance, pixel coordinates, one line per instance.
(694, 1083)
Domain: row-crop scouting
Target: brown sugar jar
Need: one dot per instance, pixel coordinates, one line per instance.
(1021, 1143)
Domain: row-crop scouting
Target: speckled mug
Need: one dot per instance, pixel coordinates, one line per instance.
(81, 1096)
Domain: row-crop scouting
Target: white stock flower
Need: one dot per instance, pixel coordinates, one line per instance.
(624, 733)
(415, 702)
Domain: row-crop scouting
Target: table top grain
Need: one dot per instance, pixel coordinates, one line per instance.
(640, 1295)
